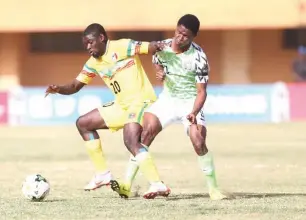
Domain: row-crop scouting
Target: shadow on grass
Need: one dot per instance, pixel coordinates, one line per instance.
(235, 195)
(231, 196)
(266, 195)
(54, 200)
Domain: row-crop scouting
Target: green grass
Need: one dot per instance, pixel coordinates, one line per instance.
(263, 165)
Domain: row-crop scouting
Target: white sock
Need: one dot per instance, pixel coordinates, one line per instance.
(132, 169)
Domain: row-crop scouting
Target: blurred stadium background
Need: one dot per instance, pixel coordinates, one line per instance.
(255, 108)
(248, 43)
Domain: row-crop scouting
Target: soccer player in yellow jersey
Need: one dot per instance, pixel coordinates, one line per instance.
(118, 64)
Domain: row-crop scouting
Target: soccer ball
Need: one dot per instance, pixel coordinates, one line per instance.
(35, 187)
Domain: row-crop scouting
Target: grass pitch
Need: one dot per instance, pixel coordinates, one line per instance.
(263, 165)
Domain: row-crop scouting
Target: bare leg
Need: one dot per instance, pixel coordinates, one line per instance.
(88, 125)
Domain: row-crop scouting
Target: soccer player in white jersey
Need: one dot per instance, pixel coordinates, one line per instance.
(183, 67)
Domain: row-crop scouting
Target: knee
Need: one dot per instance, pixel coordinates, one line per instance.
(81, 123)
(199, 143)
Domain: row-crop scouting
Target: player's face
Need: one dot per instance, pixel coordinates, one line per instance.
(94, 45)
(183, 37)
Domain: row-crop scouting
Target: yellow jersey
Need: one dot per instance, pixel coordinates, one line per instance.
(122, 71)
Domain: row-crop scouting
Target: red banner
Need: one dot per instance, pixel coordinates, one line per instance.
(297, 93)
(3, 107)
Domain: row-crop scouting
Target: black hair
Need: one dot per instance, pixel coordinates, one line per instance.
(95, 29)
(191, 22)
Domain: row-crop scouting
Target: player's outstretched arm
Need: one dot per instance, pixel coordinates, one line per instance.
(67, 89)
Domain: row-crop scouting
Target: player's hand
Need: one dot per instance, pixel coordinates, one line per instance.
(160, 75)
(192, 118)
(160, 46)
(156, 46)
(52, 89)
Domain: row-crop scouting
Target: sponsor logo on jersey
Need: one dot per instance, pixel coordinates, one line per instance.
(115, 57)
(187, 65)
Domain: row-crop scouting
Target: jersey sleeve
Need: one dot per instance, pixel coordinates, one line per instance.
(202, 67)
(131, 47)
(88, 72)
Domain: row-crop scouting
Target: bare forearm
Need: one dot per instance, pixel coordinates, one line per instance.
(199, 102)
(67, 89)
(71, 88)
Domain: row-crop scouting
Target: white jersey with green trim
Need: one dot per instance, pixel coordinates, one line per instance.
(183, 71)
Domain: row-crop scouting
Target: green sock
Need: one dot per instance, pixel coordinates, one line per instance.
(206, 164)
(132, 169)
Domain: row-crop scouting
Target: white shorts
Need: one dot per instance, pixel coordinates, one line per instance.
(171, 110)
